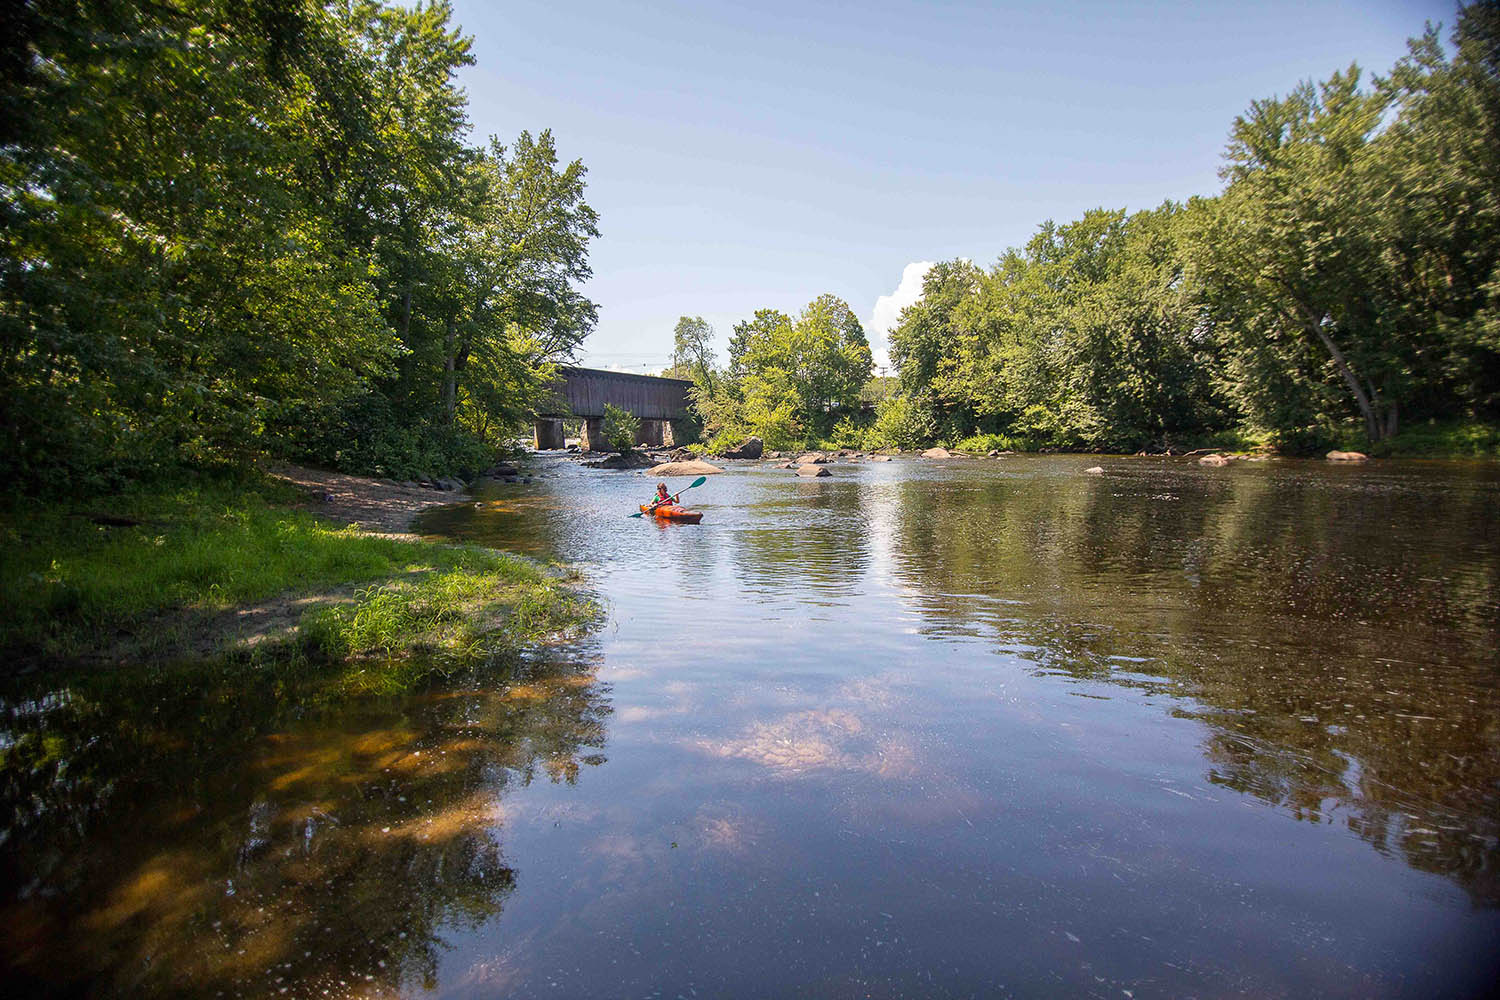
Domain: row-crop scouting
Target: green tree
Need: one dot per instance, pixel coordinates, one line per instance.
(803, 373)
(165, 289)
(692, 349)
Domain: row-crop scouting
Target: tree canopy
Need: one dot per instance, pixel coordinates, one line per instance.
(232, 228)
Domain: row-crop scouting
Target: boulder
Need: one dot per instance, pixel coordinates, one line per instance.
(624, 460)
(811, 458)
(685, 469)
(1095, 471)
(812, 471)
(683, 455)
(751, 447)
(937, 453)
(880, 458)
(993, 453)
(1347, 456)
(503, 469)
(1214, 460)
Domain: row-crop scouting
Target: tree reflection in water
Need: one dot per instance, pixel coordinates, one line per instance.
(1346, 671)
(269, 846)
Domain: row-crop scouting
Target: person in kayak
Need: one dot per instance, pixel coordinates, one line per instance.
(662, 496)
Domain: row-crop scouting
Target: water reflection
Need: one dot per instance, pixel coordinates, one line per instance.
(800, 544)
(1337, 638)
(188, 845)
(919, 728)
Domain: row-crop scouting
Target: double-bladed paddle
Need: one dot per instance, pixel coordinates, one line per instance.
(696, 482)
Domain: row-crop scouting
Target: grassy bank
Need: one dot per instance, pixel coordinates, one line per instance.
(202, 570)
(1456, 439)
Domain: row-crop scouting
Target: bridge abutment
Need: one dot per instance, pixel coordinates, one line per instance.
(547, 434)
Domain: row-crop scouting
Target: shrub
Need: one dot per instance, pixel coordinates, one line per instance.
(620, 428)
(900, 423)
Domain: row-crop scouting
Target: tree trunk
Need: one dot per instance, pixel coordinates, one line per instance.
(1374, 430)
(450, 372)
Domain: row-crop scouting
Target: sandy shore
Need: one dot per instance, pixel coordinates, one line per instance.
(378, 507)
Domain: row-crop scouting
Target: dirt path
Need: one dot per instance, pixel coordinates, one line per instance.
(381, 508)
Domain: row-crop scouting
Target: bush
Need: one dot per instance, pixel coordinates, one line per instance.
(900, 423)
(620, 428)
(987, 443)
(363, 435)
(1435, 439)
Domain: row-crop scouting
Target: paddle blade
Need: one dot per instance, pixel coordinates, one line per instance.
(696, 482)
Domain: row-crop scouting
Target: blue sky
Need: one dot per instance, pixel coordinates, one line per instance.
(747, 155)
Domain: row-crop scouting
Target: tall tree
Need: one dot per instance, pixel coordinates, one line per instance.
(692, 348)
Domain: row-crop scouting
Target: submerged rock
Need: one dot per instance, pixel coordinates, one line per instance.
(1095, 471)
(1214, 460)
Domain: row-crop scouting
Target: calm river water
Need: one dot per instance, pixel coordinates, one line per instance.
(966, 728)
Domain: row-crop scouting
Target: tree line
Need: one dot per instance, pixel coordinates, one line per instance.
(239, 228)
(1347, 277)
(1345, 282)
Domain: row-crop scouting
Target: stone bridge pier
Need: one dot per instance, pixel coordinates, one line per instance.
(547, 434)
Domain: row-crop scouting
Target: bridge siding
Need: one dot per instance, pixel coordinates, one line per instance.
(584, 391)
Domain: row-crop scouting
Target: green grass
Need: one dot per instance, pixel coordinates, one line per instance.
(450, 619)
(74, 589)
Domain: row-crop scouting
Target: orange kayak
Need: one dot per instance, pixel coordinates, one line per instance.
(672, 512)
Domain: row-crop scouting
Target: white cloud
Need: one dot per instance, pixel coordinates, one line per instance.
(887, 311)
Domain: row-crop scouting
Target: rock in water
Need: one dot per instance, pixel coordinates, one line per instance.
(751, 447)
(937, 453)
(1095, 471)
(625, 460)
(1347, 456)
(811, 471)
(684, 469)
(812, 458)
(1214, 460)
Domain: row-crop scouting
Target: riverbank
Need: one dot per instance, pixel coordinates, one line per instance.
(298, 568)
(1461, 439)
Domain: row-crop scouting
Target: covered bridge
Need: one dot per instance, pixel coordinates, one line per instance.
(582, 392)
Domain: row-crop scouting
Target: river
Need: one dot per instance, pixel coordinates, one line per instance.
(920, 728)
